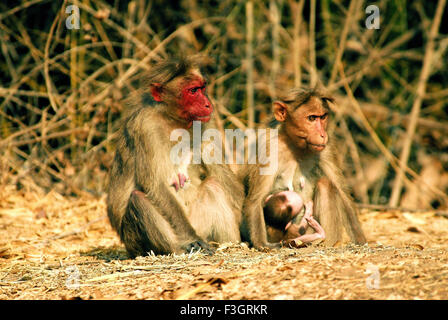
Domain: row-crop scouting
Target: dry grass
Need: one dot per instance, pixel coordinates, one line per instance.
(47, 239)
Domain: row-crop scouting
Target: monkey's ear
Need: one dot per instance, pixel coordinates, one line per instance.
(156, 91)
(280, 111)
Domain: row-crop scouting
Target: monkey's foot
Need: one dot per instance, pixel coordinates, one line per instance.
(200, 245)
(293, 243)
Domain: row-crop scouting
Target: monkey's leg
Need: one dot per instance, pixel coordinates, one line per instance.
(327, 211)
(157, 232)
(212, 214)
(143, 229)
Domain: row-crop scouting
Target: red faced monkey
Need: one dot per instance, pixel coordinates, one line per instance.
(307, 173)
(165, 207)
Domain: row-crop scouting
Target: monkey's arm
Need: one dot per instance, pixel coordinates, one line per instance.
(332, 195)
(230, 182)
(162, 197)
(259, 188)
(350, 219)
(151, 178)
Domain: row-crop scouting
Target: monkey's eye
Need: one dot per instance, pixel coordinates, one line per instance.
(194, 90)
(311, 118)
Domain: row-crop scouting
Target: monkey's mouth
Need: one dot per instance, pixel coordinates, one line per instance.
(203, 118)
(317, 147)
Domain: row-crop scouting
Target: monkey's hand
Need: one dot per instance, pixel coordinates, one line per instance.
(180, 181)
(199, 245)
(302, 240)
(320, 232)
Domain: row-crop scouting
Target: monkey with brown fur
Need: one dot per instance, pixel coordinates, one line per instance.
(306, 173)
(155, 204)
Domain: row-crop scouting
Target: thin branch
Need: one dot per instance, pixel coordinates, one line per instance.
(46, 62)
(275, 20)
(250, 63)
(342, 40)
(389, 156)
(312, 43)
(296, 42)
(415, 111)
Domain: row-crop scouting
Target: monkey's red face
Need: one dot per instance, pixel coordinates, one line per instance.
(306, 127)
(194, 104)
(188, 95)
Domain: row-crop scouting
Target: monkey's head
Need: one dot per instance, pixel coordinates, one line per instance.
(179, 84)
(304, 114)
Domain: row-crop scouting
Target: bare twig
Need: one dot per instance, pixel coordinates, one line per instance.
(250, 63)
(415, 111)
(312, 41)
(383, 113)
(275, 20)
(342, 40)
(296, 42)
(390, 157)
(48, 81)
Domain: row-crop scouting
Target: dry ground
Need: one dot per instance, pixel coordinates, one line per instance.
(53, 247)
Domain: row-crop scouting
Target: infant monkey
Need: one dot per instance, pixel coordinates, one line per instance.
(279, 212)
